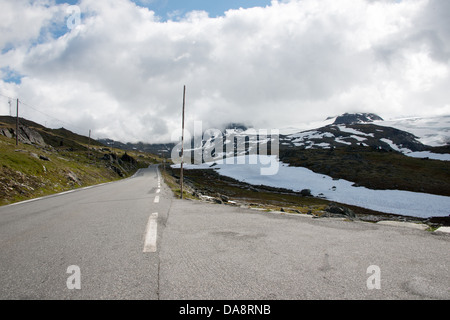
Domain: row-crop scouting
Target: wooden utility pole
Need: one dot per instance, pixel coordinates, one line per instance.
(17, 124)
(182, 143)
(89, 147)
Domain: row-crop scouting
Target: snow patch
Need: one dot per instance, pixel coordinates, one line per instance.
(297, 178)
(430, 155)
(354, 131)
(394, 146)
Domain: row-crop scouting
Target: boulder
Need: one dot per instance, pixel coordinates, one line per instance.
(117, 170)
(107, 157)
(128, 158)
(337, 210)
(32, 136)
(5, 132)
(73, 177)
(26, 135)
(305, 192)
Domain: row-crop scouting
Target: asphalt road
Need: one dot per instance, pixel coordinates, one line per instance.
(132, 240)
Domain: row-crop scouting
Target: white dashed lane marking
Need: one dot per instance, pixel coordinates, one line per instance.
(151, 233)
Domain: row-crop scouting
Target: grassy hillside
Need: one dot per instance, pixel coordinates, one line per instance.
(65, 163)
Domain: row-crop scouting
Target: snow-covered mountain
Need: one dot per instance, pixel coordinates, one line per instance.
(361, 167)
(413, 137)
(431, 131)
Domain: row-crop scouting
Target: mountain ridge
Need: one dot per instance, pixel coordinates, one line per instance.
(352, 118)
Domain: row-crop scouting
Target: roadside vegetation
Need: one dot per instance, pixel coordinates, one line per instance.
(208, 185)
(65, 161)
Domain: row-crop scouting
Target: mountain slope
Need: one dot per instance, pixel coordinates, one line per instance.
(431, 131)
(352, 118)
(370, 155)
(366, 135)
(365, 153)
(48, 161)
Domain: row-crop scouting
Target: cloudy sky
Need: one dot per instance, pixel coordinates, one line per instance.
(118, 67)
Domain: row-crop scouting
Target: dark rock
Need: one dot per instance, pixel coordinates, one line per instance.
(348, 118)
(128, 158)
(338, 210)
(6, 132)
(44, 158)
(26, 135)
(305, 192)
(117, 170)
(32, 136)
(109, 157)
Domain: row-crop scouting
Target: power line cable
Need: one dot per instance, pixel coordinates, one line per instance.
(37, 110)
(49, 116)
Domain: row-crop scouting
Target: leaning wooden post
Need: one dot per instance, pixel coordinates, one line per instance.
(182, 143)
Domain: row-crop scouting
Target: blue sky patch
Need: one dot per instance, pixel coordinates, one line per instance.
(9, 75)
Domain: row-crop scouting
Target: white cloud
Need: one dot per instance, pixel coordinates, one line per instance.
(121, 72)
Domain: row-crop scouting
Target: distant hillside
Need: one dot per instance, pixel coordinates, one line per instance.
(159, 149)
(48, 161)
(57, 138)
(370, 155)
(358, 134)
(236, 126)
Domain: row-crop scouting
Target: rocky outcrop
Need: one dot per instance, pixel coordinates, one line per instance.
(6, 132)
(336, 210)
(351, 118)
(128, 159)
(26, 135)
(125, 163)
(73, 178)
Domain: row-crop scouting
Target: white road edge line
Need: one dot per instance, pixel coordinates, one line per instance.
(69, 191)
(156, 199)
(151, 233)
(58, 194)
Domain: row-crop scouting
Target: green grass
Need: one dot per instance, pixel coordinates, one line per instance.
(174, 184)
(23, 175)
